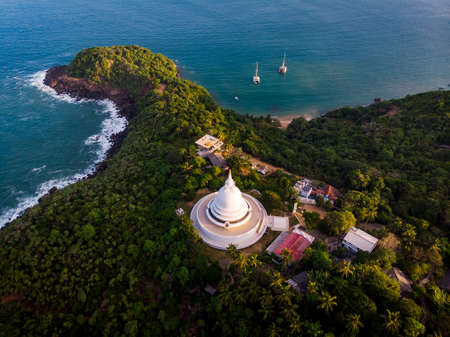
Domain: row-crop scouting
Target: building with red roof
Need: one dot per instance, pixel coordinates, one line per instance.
(295, 242)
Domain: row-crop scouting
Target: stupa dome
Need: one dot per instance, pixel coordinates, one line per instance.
(229, 206)
(229, 217)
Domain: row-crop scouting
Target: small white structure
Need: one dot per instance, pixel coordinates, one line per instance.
(302, 183)
(179, 211)
(278, 223)
(229, 217)
(303, 187)
(210, 289)
(209, 143)
(262, 170)
(357, 239)
(306, 201)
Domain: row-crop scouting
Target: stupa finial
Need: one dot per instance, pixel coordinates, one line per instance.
(230, 181)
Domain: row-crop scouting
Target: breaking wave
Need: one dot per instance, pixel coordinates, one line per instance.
(110, 126)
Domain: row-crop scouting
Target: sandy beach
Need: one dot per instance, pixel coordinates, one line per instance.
(286, 120)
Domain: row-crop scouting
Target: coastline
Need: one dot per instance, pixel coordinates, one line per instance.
(287, 119)
(117, 104)
(57, 79)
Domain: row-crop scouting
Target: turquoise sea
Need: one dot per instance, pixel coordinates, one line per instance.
(339, 52)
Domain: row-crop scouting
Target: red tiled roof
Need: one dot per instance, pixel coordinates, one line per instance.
(327, 190)
(295, 243)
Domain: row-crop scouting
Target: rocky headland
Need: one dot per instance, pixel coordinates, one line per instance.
(79, 88)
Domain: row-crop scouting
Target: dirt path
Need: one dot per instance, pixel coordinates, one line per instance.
(271, 168)
(312, 208)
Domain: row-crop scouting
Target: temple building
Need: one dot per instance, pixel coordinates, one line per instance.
(229, 217)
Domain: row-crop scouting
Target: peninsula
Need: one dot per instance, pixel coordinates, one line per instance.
(118, 255)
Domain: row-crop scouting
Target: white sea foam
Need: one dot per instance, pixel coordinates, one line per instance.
(112, 125)
(39, 169)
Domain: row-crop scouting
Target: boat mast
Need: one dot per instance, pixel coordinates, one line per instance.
(256, 78)
(283, 69)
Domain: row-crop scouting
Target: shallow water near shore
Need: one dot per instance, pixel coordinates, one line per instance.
(338, 53)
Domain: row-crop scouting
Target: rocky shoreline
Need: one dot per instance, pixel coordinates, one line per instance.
(79, 88)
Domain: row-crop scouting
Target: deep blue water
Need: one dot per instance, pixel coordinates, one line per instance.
(338, 53)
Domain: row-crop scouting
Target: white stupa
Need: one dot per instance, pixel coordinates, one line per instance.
(229, 217)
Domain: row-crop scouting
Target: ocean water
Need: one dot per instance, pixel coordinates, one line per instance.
(338, 53)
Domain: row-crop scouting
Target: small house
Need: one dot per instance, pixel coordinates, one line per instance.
(357, 239)
(400, 277)
(299, 282)
(305, 192)
(295, 242)
(209, 143)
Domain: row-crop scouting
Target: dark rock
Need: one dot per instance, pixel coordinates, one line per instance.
(80, 88)
(49, 193)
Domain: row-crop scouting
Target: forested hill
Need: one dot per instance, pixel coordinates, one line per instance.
(108, 257)
(404, 141)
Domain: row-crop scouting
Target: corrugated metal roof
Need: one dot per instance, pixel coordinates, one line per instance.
(275, 243)
(217, 159)
(295, 243)
(361, 240)
(278, 223)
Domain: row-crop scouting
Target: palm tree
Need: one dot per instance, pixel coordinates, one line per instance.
(253, 261)
(277, 280)
(239, 297)
(327, 302)
(287, 258)
(266, 307)
(225, 295)
(392, 321)
(312, 288)
(295, 327)
(353, 324)
(273, 331)
(253, 291)
(346, 269)
(232, 251)
(242, 262)
(284, 297)
(290, 313)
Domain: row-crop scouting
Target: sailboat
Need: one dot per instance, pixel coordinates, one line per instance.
(283, 69)
(256, 79)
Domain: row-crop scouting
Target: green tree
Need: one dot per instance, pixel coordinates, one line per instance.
(346, 269)
(392, 322)
(413, 328)
(339, 222)
(353, 324)
(358, 180)
(327, 302)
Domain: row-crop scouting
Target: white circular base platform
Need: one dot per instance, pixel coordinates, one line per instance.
(220, 237)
